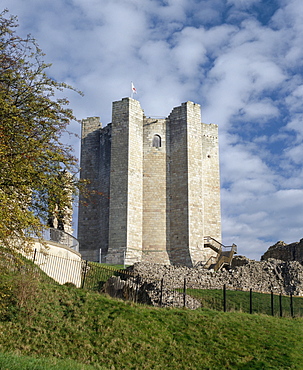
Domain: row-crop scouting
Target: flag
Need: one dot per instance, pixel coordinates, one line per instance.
(134, 91)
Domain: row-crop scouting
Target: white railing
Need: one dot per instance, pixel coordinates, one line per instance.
(60, 237)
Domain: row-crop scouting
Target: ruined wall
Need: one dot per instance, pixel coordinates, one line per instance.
(285, 252)
(266, 276)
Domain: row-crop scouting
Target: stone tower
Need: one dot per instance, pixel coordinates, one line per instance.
(154, 187)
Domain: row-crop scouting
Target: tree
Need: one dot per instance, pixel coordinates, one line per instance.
(33, 160)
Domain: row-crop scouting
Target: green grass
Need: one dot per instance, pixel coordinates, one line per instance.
(240, 301)
(73, 328)
(97, 274)
(10, 361)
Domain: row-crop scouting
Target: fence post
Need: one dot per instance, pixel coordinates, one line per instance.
(184, 293)
(161, 292)
(224, 298)
(84, 275)
(272, 303)
(280, 303)
(34, 258)
(250, 301)
(291, 306)
(137, 289)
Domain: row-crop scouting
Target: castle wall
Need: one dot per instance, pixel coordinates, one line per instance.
(211, 181)
(187, 199)
(89, 210)
(177, 187)
(154, 183)
(126, 183)
(135, 183)
(103, 193)
(154, 191)
(195, 182)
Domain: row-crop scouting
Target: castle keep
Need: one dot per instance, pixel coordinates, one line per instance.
(154, 187)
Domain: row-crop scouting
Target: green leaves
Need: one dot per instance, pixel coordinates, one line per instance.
(37, 171)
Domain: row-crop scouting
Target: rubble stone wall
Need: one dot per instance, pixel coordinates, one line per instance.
(285, 252)
(285, 277)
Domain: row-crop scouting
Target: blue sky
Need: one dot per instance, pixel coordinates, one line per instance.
(241, 60)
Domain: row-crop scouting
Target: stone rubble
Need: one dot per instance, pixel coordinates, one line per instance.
(269, 275)
(138, 290)
(285, 277)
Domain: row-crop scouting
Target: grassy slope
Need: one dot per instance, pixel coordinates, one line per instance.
(240, 301)
(10, 361)
(67, 323)
(89, 328)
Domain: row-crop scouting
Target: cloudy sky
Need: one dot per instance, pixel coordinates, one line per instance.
(241, 60)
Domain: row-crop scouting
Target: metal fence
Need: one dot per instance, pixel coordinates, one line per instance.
(63, 270)
(123, 284)
(57, 236)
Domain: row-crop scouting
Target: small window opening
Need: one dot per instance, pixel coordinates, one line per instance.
(157, 141)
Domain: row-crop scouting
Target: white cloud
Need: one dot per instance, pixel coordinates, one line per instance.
(189, 52)
(260, 110)
(213, 52)
(295, 153)
(242, 4)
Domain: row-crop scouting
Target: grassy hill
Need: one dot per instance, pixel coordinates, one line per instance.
(47, 326)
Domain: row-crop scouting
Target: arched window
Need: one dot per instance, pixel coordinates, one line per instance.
(157, 141)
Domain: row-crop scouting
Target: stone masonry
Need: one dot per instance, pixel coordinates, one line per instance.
(285, 252)
(154, 187)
